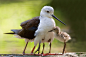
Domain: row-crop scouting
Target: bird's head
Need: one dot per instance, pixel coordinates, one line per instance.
(56, 30)
(48, 11)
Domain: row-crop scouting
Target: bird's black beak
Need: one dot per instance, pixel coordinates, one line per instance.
(58, 19)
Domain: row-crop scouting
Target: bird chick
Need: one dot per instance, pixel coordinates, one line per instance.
(61, 36)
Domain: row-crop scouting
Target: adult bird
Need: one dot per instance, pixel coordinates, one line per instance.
(61, 36)
(37, 28)
(46, 24)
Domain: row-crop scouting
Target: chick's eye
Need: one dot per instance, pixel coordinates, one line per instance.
(65, 36)
(53, 29)
(47, 11)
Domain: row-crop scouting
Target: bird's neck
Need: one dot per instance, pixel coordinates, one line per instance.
(41, 17)
(57, 33)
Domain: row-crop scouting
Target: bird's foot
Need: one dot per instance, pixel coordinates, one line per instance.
(42, 53)
(28, 54)
(23, 53)
(50, 54)
(31, 53)
(36, 54)
(37, 50)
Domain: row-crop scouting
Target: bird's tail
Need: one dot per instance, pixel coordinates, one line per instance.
(15, 31)
(10, 33)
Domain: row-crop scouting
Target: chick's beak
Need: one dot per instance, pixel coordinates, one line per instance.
(50, 31)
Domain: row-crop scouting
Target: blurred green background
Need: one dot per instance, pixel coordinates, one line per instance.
(71, 12)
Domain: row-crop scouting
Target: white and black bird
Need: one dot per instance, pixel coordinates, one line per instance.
(61, 36)
(46, 24)
(37, 28)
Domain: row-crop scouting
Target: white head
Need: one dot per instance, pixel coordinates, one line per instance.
(47, 11)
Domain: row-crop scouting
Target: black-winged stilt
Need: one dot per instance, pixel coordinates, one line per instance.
(46, 24)
(38, 26)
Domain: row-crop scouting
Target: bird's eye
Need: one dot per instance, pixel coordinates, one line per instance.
(47, 11)
(65, 36)
(53, 29)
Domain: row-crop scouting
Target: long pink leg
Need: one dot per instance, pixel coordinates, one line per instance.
(32, 50)
(25, 47)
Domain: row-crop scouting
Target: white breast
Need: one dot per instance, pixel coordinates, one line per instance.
(46, 24)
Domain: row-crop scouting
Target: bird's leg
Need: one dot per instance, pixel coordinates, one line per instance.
(64, 47)
(49, 51)
(38, 48)
(25, 47)
(32, 50)
(50, 48)
(43, 48)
